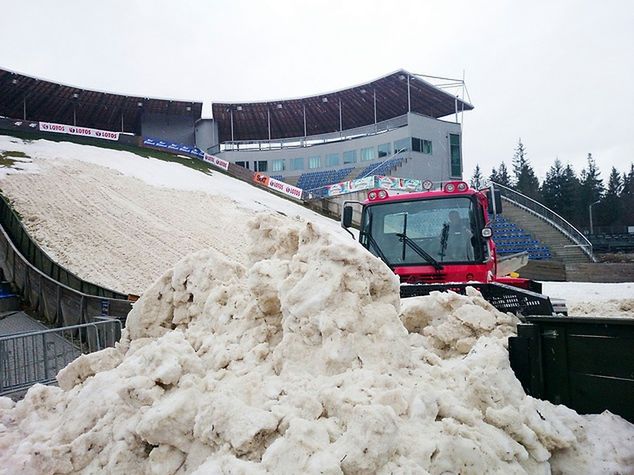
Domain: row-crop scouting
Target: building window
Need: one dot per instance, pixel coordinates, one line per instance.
(278, 165)
(426, 146)
(314, 162)
(243, 164)
(384, 150)
(350, 157)
(416, 144)
(260, 166)
(456, 165)
(332, 159)
(297, 163)
(402, 145)
(368, 154)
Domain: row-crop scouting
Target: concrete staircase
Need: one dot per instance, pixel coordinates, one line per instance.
(561, 247)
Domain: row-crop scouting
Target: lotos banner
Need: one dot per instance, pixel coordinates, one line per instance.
(218, 162)
(83, 131)
(278, 185)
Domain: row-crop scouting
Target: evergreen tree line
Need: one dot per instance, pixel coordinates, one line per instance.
(568, 194)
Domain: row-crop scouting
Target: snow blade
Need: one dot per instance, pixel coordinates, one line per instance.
(505, 298)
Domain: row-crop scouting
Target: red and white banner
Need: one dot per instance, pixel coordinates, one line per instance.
(278, 185)
(218, 162)
(73, 130)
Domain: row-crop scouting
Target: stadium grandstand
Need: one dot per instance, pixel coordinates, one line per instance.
(393, 122)
(32, 99)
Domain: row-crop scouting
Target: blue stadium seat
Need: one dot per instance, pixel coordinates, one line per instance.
(510, 239)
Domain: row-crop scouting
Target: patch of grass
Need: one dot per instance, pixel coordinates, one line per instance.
(13, 153)
(7, 158)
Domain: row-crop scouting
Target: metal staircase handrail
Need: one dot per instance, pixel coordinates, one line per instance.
(536, 208)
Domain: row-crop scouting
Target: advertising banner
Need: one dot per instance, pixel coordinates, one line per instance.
(278, 185)
(350, 186)
(394, 183)
(215, 161)
(83, 131)
(173, 147)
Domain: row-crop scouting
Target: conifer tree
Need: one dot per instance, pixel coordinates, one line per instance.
(610, 207)
(590, 190)
(477, 180)
(526, 181)
(501, 176)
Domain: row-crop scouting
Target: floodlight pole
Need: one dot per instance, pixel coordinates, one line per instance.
(268, 117)
(376, 129)
(231, 118)
(304, 106)
(24, 107)
(340, 119)
(409, 98)
(590, 213)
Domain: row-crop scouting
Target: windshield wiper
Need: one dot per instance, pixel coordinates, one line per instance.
(444, 235)
(419, 250)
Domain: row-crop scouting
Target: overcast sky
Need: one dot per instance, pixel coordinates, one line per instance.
(558, 74)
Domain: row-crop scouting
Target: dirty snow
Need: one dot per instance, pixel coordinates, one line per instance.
(302, 360)
(119, 219)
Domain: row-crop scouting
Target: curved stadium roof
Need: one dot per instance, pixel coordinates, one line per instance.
(52, 102)
(250, 119)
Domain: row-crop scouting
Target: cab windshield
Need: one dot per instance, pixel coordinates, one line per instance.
(433, 231)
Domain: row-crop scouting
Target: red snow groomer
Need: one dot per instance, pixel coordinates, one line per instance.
(442, 240)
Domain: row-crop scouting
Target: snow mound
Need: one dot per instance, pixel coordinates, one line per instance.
(302, 361)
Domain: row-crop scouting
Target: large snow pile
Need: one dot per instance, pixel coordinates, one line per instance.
(298, 362)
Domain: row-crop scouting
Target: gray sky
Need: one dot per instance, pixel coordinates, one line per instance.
(558, 74)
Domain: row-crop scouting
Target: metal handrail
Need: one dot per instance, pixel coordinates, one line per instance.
(302, 141)
(558, 222)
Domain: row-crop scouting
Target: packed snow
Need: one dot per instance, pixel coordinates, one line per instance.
(275, 344)
(119, 219)
(594, 299)
(303, 360)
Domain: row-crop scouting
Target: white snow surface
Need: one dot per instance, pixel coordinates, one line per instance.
(275, 344)
(594, 299)
(302, 360)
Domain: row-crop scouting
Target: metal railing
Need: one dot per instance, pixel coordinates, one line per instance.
(35, 255)
(52, 301)
(539, 210)
(36, 357)
(295, 142)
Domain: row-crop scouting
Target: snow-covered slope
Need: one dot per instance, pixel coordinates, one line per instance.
(119, 219)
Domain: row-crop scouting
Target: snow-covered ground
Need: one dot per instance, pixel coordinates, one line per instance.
(594, 299)
(281, 346)
(119, 219)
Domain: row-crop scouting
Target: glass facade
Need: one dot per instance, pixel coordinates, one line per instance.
(421, 145)
(332, 159)
(384, 150)
(297, 163)
(368, 154)
(350, 157)
(260, 166)
(402, 145)
(456, 165)
(243, 164)
(314, 162)
(278, 165)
